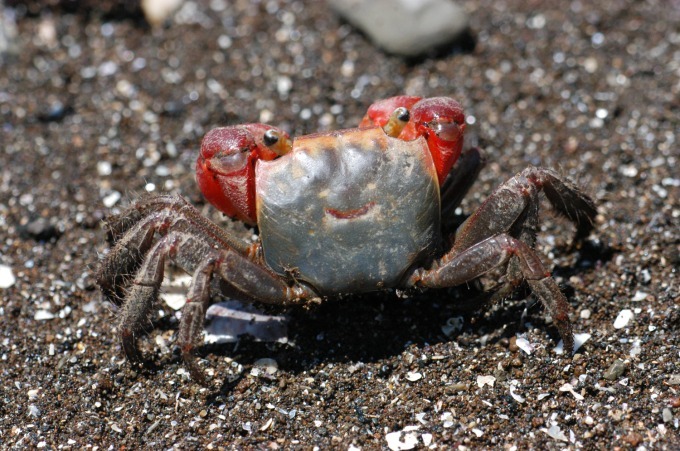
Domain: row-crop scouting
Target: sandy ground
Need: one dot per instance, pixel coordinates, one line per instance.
(95, 110)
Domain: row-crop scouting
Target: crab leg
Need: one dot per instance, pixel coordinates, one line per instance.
(193, 314)
(503, 210)
(494, 252)
(123, 260)
(153, 214)
(243, 276)
(143, 293)
(503, 232)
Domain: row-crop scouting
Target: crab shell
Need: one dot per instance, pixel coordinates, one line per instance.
(349, 211)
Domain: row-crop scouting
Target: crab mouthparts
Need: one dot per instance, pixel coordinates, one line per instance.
(350, 214)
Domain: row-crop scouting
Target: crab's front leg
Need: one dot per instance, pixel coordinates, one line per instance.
(502, 232)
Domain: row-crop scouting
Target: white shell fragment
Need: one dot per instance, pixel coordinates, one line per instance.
(227, 321)
(264, 367)
(485, 380)
(520, 399)
(555, 432)
(402, 440)
(524, 345)
(579, 340)
(623, 318)
(413, 376)
(7, 278)
(568, 387)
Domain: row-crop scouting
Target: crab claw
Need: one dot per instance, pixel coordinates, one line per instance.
(225, 170)
(440, 120)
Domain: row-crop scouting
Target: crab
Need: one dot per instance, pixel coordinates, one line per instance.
(341, 212)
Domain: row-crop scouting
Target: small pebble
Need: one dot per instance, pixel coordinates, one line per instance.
(7, 278)
(667, 415)
(615, 370)
(633, 439)
(623, 318)
(39, 229)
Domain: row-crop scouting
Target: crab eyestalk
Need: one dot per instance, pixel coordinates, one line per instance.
(225, 170)
(397, 121)
(277, 141)
(382, 111)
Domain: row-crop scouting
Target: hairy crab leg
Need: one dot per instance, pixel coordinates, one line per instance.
(155, 214)
(458, 268)
(142, 294)
(193, 315)
(193, 254)
(116, 269)
(501, 211)
(503, 232)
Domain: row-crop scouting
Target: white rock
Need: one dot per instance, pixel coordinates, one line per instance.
(111, 199)
(639, 296)
(405, 27)
(42, 315)
(623, 318)
(7, 278)
(156, 11)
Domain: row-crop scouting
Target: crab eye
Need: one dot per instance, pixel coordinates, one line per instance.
(396, 122)
(271, 137)
(402, 114)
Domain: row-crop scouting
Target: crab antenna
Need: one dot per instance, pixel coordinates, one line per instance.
(397, 121)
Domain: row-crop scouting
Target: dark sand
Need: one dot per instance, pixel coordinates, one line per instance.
(93, 106)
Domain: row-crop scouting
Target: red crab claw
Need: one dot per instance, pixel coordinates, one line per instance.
(440, 120)
(225, 170)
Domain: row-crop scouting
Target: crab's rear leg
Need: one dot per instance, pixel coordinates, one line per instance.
(503, 231)
(191, 253)
(492, 253)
